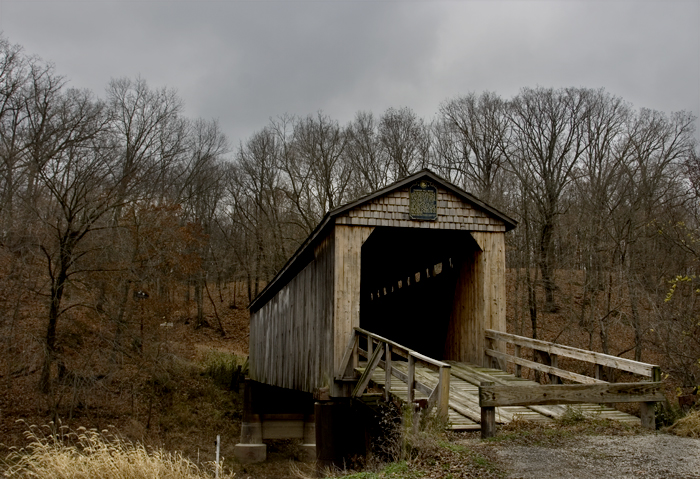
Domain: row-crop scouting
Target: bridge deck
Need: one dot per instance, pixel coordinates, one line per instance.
(465, 414)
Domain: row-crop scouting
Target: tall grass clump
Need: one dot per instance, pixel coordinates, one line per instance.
(225, 369)
(58, 453)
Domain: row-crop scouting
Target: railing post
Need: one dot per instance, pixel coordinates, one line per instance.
(387, 371)
(647, 411)
(443, 400)
(411, 379)
(647, 415)
(488, 417)
(553, 378)
(518, 367)
(370, 346)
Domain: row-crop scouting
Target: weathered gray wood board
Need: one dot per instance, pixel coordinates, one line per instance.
(291, 336)
(571, 394)
(348, 260)
(479, 301)
(623, 364)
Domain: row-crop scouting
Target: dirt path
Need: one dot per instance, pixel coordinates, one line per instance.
(611, 457)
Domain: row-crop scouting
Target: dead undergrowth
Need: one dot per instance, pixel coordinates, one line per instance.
(60, 453)
(688, 426)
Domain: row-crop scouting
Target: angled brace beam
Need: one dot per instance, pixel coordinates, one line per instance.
(367, 374)
(349, 356)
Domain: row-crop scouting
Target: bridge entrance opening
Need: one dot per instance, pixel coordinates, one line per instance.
(408, 281)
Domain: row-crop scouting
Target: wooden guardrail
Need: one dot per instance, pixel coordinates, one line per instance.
(600, 360)
(590, 389)
(492, 396)
(380, 352)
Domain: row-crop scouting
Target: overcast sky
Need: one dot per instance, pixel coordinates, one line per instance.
(244, 62)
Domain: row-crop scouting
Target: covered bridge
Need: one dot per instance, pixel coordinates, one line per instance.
(410, 275)
(421, 262)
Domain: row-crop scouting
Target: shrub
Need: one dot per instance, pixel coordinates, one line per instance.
(667, 414)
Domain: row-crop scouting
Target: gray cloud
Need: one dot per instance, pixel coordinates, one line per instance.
(246, 61)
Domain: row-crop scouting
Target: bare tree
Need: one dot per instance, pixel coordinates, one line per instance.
(598, 194)
(655, 150)
(478, 128)
(261, 208)
(77, 184)
(147, 135)
(405, 138)
(320, 142)
(546, 143)
(371, 166)
(29, 91)
(204, 189)
(147, 128)
(315, 167)
(297, 173)
(675, 333)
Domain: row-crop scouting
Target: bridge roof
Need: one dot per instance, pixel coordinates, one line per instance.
(305, 253)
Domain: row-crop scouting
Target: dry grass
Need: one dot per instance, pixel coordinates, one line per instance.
(688, 426)
(57, 453)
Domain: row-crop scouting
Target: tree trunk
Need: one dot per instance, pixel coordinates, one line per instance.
(216, 313)
(519, 319)
(120, 321)
(636, 323)
(605, 344)
(250, 286)
(546, 260)
(531, 293)
(57, 289)
(532, 302)
(199, 297)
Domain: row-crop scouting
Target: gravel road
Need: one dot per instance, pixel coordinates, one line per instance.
(611, 457)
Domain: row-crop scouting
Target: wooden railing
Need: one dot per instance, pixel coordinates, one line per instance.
(492, 396)
(590, 389)
(380, 352)
(555, 351)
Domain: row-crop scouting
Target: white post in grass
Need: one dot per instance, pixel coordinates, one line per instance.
(218, 448)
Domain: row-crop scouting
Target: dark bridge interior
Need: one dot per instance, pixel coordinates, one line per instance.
(408, 284)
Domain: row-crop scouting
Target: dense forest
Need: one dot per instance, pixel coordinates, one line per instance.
(106, 200)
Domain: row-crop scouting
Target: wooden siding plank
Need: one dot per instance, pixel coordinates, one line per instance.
(285, 350)
(346, 300)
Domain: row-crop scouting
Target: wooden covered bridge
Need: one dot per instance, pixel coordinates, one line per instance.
(403, 291)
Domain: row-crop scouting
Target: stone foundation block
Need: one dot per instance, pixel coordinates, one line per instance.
(250, 453)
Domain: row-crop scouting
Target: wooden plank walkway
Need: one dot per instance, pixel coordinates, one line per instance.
(465, 414)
